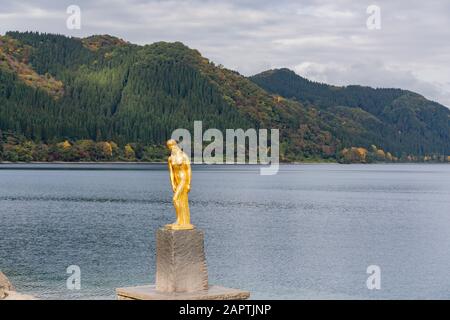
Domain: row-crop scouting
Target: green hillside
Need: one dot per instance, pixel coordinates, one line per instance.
(102, 98)
(397, 120)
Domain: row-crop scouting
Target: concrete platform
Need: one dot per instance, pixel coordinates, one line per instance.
(149, 293)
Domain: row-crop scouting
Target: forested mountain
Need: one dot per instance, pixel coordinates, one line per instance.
(102, 98)
(396, 120)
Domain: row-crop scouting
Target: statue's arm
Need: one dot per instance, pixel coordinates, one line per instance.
(189, 173)
(172, 178)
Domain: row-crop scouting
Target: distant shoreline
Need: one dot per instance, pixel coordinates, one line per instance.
(146, 163)
(81, 162)
(105, 164)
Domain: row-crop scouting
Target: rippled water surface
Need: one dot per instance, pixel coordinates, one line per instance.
(310, 231)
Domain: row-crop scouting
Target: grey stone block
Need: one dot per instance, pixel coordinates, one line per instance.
(180, 261)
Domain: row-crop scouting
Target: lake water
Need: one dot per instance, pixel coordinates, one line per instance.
(309, 232)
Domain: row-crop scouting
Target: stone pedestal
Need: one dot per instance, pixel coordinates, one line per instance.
(181, 271)
(180, 261)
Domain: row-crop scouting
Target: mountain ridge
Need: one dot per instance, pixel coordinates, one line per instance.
(135, 96)
(401, 112)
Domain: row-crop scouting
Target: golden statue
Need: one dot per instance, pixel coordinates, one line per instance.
(180, 177)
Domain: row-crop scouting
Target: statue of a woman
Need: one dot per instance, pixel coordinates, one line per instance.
(180, 177)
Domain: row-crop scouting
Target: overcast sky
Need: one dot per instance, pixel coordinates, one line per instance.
(323, 40)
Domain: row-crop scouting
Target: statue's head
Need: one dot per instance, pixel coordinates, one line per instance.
(171, 144)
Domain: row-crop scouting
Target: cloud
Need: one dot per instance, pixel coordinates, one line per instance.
(325, 11)
(326, 39)
(316, 41)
